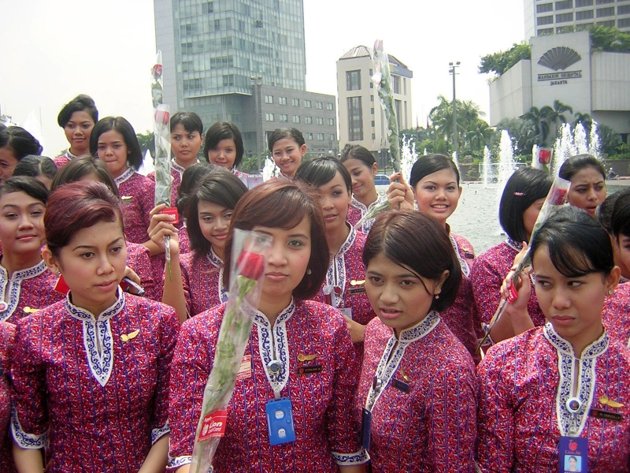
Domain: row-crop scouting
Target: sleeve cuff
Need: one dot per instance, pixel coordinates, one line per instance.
(157, 434)
(348, 459)
(176, 462)
(24, 439)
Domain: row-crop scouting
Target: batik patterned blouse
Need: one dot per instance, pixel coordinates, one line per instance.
(318, 374)
(616, 314)
(354, 216)
(487, 275)
(139, 259)
(65, 158)
(344, 287)
(94, 388)
(421, 390)
(202, 278)
(7, 333)
(525, 385)
(26, 291)
(137, 195)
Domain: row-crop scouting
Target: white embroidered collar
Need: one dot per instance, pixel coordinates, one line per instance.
(178, 167)
(515, 245)
(217, 262)
(462, 262)
(124, 176)
(335, 285)
(572, 407)
(97, 336)
(12, 287)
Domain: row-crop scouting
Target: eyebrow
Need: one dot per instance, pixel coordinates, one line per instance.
(399, 276)
(117, 240)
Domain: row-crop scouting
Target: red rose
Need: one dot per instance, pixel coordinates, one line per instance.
(162, 116)
(544, 156)
(156, 71)
(251, 265)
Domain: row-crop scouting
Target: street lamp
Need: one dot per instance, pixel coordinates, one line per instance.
(453, 71)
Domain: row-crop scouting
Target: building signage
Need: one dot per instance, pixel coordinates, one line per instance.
(559, 59)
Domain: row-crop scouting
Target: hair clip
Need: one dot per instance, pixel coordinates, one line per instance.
(519, 194)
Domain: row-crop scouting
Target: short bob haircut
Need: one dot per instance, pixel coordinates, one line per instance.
(223, 131)
(282, 203)
(76, 206)
(33, 165)
(358, 152)
(122, 126)
(189, 120)
(220, 187)
(79, 168)
(20, 142)
(27, 184)
(429, 164)
(81, 103)
(575, 164)
(191, 177)
(282, 133)
(524, 187)
(620, 219)
(577, 243)
(419, 244)
(320, 171)
(605, 210)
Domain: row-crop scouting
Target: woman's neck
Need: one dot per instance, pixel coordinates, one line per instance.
(271, 307)
(185, 164)
(220, 252)
(336, 239)
(585, 338)
(369, 198)
(13, 262)
(78, 152)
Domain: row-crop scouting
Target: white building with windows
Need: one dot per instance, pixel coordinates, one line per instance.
(361, 119)
(545, 17)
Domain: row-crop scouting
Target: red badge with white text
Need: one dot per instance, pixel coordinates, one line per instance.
(213, 425)
(245, 370)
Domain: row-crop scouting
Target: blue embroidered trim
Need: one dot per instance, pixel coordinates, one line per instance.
(97, 336)
(157, 434)
(15, 286)
(217, 262)
(124, 176)
(572, 423)
(515, 245)
(176, 462)
(24, 439)
(336, 273)
(177, 167)
(367, 224)
(356, 458)
(462, 262)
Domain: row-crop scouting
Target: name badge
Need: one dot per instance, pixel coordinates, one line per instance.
(573, 455)
(607, 415)
(280, 421)
(310, 369)
(400, 385)
(347, 311)
(366, 428)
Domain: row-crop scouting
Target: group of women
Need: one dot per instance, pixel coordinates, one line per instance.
(366, 330)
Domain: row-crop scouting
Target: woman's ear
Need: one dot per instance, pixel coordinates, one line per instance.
(612, 279)
(441, 280)
(50, 260)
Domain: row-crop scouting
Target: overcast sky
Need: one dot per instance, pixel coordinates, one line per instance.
(53, 50)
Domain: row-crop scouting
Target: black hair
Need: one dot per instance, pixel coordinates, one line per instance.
(20, 141)
(220, 187)
(605, 210)
(27, 184)
(78, 168)
(189, 120)
(122, 126)
(575, 164)
(224, 131)
(81, 103)
(577, 243)
(420, 244)
(429, 164)
(282, 133)
(358, 152)
(33, 165)
(320, 171)
(191, 177)
(620, 219)
(524, 187)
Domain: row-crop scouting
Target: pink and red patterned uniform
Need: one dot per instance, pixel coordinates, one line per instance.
(137, 195)
(139, 259)
(344, 288)
(424, 398)
(62, 160)
(487, 275)
(202, 280)
(321, 400)
(95, 387)
(32, 287)
(7, 333)
(357, 210)
(616, 314)
(524, 393)
(461, 317)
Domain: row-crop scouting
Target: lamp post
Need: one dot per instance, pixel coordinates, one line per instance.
(453, 71)
(258, 120)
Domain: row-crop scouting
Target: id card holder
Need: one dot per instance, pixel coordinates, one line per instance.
(347, 311)
(280, 421)
(573, 454)
(366, 428)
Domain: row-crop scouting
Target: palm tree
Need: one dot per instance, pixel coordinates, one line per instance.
(537, 117)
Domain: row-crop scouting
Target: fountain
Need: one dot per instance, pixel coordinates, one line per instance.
(270, 169)
(487, 169)
(564, 147)
(594, 143)
(580, 140)
(506, 160)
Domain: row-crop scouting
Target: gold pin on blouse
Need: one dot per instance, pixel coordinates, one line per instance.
(403, 375)
(357, 282)
(606, 401)
(126, 199)
(302, 357)
(127, 337)
(30, 310)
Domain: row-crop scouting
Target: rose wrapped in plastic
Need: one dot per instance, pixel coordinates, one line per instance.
(246, 277)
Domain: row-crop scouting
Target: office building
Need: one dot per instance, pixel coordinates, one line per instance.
(545, 17)
(220, 55)
(361, 118)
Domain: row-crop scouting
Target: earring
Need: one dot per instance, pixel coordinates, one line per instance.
(309, 272)
(610, 292)
(437, 297)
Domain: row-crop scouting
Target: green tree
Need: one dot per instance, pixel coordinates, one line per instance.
(604, 38)
(147, 142)
(537, 118)
(500, 62)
